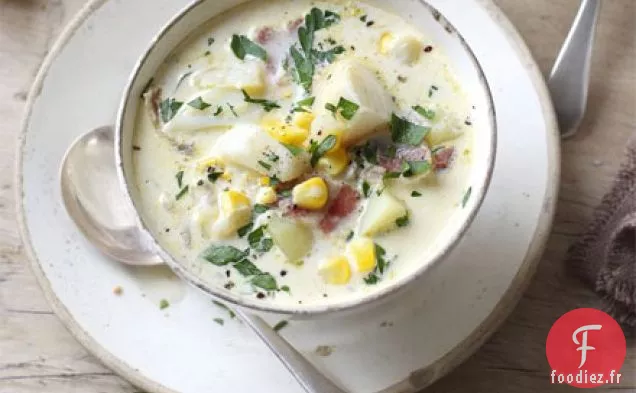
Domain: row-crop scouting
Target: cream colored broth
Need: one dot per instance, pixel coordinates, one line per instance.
(372, 39)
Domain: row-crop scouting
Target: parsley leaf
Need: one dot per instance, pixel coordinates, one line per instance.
(168, 108)
(328, 56)
(285, 288)
(321, 149)
(232, 109)
(267, 105)
(182, 193)
(222, 255)
(264, 165)
(371, 279)
(427, 113)
(416, 194)
(466, 196)
(302, 104)
(199, 104)
(349, 236)
(258, 241)
(260, 209)
(179, 177)
(265, 281)
(244, 230)
(413, 168)
(432, 90)
(331, 108)
(403, 131)
(381, 263)
(294, 150)
(280, 325)
(304, 68)
(219, 110)
(242, 46)
(347, 108)
(247, 268)
(402, 221)
(366, 189)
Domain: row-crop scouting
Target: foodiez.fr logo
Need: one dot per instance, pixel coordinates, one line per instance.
(586, 348)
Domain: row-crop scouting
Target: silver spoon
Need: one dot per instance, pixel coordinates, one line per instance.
(570, 77)
(92, 196)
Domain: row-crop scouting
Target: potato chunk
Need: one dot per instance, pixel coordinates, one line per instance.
(293, 238)
(381, 213)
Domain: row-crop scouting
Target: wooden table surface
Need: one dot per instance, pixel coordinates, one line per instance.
(37, 354)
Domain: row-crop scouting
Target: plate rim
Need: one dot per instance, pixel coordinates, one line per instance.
(443, 365)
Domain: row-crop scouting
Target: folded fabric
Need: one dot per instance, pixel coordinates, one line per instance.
(605, 256)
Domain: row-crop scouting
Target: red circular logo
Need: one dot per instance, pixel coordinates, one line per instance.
(586, 348)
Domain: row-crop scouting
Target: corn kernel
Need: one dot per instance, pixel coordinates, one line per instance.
(303, 120)
(384, 44)
(334, 162)
(362, 253)
(311, 194)
(231, 200)
(285, 133)
(335, 270)
(266, 195)
(264, 181)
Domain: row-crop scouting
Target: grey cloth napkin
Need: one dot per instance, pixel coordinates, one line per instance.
(605, 256)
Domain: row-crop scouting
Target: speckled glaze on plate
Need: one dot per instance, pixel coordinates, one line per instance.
(398, 346)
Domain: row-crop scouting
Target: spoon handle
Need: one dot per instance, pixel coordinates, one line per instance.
(312, 380)
(570, 76)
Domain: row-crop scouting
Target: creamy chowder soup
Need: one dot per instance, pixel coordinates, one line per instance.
(293, 151)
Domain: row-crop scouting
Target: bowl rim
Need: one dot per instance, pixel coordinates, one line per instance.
(310, 310)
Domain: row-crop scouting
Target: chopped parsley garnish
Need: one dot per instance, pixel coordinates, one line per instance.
(466, 196)
(304, 61)
(403, 131)
(285, 288)
(370, 153)
(402, 221)
(414, 168)
(232, 109)
(222, 255)
(427, 113)
(163, 304)
(273, 157)
(179, 177)
(220, 321)
(247, 268)
(432, 90)
(349, 236)
(265, 281)
(391, 175)
(244, 230)
(260, 209)
(366, 189)
(371, 279)
(274, 181)
(280, 325)
(381, 263)
(168, 108)
(346, 108)
(182, 193)
(322, 148)
(301, 105)
(267, 105)
(181, 79)
(207, 53)
(214, 176)
(219, 110)
(242, 46)
(264, 165)
(199, 104)
(258, 241)
(294, 150)
(416, 194)
(329, 55)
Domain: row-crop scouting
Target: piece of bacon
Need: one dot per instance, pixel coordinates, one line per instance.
(443, 157)
(341, 206)
(264, 34)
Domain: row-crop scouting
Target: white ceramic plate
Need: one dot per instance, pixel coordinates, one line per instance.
(399, 346)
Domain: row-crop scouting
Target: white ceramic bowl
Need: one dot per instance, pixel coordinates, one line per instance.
(469, 74)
